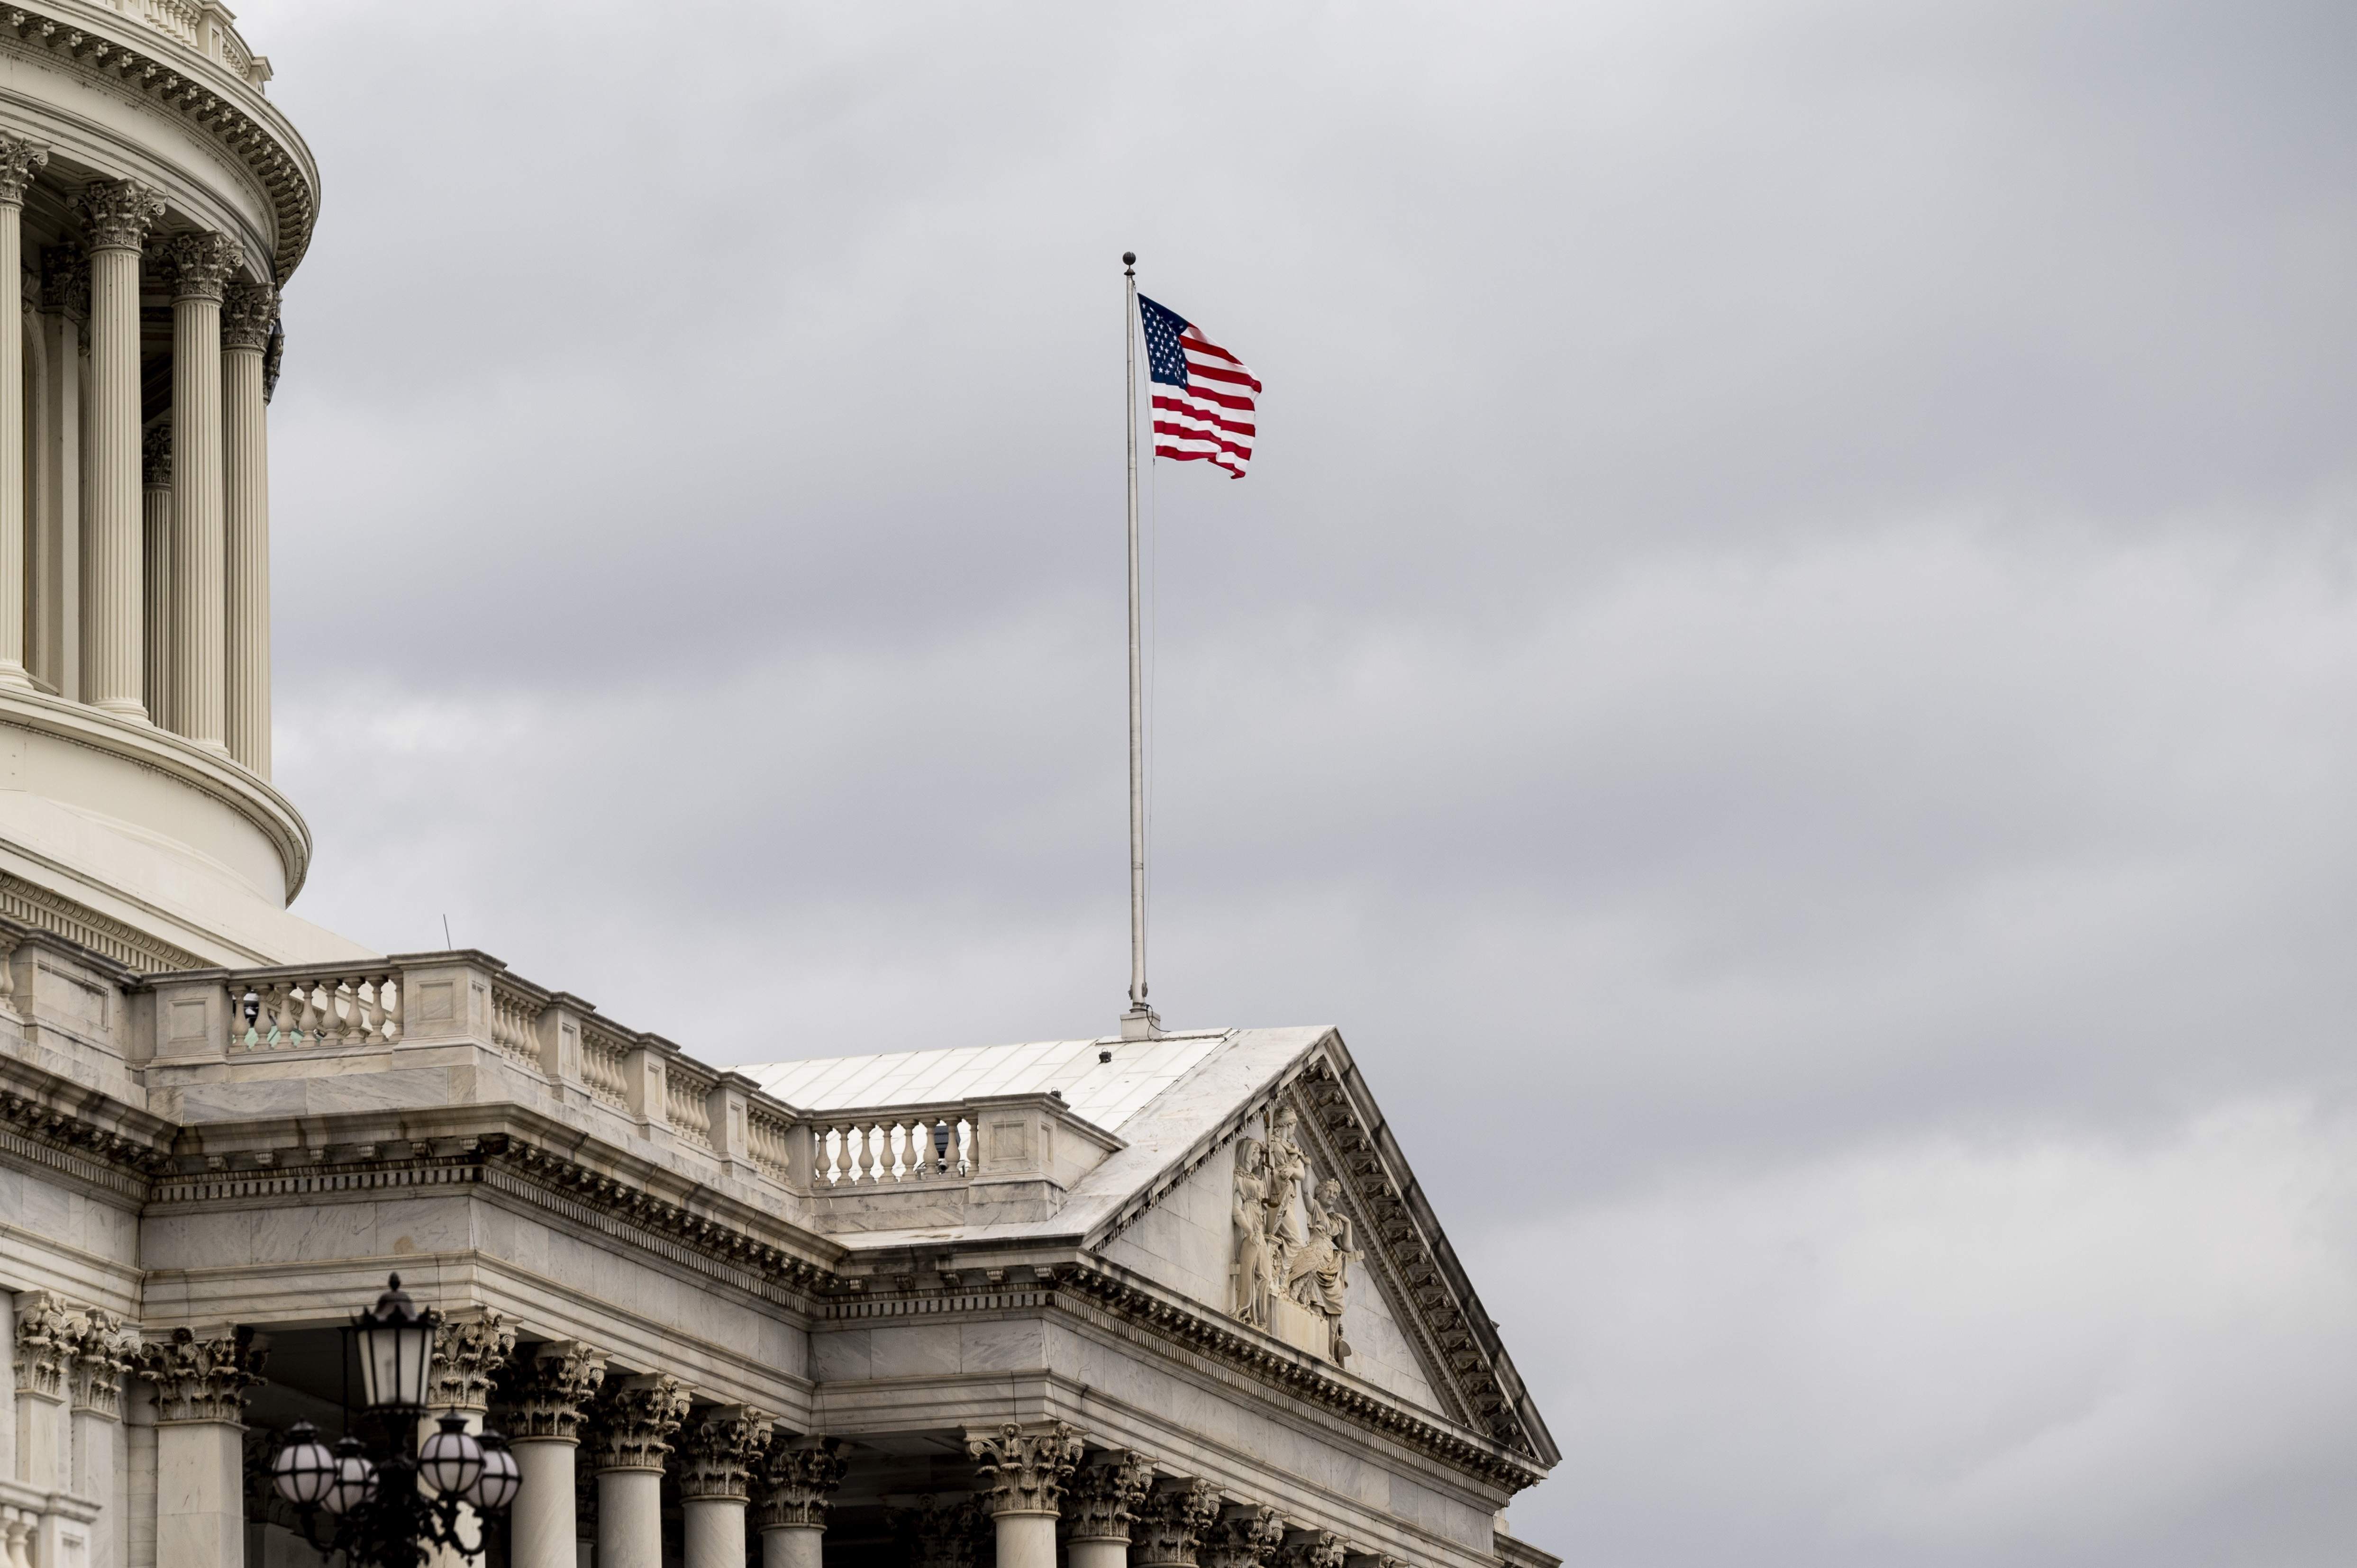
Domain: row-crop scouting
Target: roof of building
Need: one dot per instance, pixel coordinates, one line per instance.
(1104, 1082)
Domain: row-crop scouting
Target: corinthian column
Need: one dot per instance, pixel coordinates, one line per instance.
(633, 1432)
(248, 312)
(115, 217)
(156, 527)
(1172, 1522)
(18, 159)
(1106, 1497)
(200, 1448)
(796, 1483)
(102, 1355)
(1023, 1472)
(198, 267)
(718, 1454)
(548, 1397)
(467, 1355)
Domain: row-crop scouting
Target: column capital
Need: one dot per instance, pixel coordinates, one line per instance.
(117, 214)
(1172, 1522)
(102, 1353)
(65, 281)
(199, 265)
(1312, 1549)
(20, 159)
(201, 1379)
(1245, 1535)
(248, 309)
(156, 455)
(798, 1478)
(1106, 1494)
(1024, 1468)
(467, 1354)
(548, 1395)
(635, 1421)
(49, 1332)
(719, 1451)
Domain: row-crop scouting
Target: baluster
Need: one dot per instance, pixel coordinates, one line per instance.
(348, 998)
(390, 984)
(306, 1016)
(825, 1141)
(965, 1142)
(370, 1018)
(281, 1015)
(912, 1161)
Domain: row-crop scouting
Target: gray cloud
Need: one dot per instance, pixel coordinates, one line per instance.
(1783, 670)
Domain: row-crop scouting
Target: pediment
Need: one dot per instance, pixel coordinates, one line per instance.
(1415, 1324)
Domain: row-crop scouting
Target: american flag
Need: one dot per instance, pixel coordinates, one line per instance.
(1203, 397)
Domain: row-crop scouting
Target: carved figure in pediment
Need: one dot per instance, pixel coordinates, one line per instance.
(1320, 1271)
(1288, 1173)
(1253, 1278)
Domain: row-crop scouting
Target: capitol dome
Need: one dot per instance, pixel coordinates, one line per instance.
(153, 204)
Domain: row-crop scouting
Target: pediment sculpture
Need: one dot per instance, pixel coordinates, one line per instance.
(1294, 1243)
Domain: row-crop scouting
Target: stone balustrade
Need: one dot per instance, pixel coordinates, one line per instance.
(485, 1036)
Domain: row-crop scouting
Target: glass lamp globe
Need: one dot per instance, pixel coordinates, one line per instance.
(497, 1487)
(450, 1462)
(354, 1482)
(395, 1342)
(303, 1469)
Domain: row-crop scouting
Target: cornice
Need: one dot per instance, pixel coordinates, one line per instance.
(229, 112)
(98, 1142)
(1302, 1376)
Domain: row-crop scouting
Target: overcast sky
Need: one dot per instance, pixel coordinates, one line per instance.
(1786, 670)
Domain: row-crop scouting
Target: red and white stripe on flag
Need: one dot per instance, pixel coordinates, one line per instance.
(1205, 402)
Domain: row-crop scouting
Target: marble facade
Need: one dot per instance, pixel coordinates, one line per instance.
(1177, 1302)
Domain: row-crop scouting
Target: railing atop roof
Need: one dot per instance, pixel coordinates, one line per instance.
(553, 1051)
(203, 26)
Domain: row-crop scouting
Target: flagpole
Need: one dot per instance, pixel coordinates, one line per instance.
(1139, 1023)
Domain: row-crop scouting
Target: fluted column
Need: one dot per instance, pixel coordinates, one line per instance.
(467, 1354)
(1102, 1505)
(201, 1387)
(248, 312)
(102, 1353)
(635, 1423)
(53, 635)
(18, 159)
(199, 267)
(548, 1399)
(1023, 1472)
(1171, 1523)
(115, 217)
(155, 531)
(718, 1453)
(797, 1481)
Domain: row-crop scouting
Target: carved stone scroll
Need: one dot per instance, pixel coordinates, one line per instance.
(1171, 1524)
(19, 161)
(635, 1423)
(49, 1331)
(117, 214)
(1246, 1535)
(796, 1482)
(547, 1396)
(102, 1353)
(201, 1379)
(1107, 1495)
(467, 1356)
(720, 1451)
(1023, 1470)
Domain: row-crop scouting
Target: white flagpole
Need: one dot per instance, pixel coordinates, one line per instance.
(1139, 1023)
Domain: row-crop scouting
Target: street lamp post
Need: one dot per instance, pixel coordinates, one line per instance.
(389, 1507)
